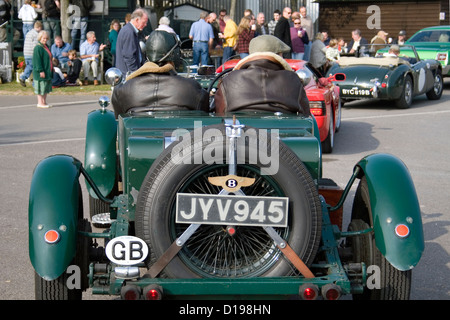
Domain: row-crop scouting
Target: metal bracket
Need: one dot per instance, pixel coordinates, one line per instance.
(233, 130)
(289, 253)
(173, 250)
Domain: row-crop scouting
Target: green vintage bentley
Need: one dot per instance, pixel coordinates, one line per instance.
(192, 204)
(396, 77)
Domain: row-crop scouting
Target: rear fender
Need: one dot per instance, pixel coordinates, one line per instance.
(396, 82)
(100, 153)
(394, 201)
(54, 204)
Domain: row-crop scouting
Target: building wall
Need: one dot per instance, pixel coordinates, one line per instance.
(339, 19)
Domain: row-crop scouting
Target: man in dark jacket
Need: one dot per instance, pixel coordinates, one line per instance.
(128, 52)
(263, 81)
(283, 30)
(156, 86)
(358, 45)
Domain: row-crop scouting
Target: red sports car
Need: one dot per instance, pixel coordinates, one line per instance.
(323, 96)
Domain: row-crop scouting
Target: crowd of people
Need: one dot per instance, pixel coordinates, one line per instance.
(294, 28)
(63, 55)
(210, 33)
(54, 63)
(221, 32)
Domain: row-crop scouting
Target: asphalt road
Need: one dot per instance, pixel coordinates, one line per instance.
(419, 136)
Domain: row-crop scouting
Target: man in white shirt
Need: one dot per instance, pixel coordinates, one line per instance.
(89, 53)
(27, 14)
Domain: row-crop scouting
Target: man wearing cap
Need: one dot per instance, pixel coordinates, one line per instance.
(263, 81)
(379, 41)
(401, 38)
(156, 85)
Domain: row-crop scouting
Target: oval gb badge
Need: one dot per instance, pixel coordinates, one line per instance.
(126, 250)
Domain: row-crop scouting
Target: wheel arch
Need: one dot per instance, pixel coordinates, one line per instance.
(393, 201)
(100, 151)
(396, 81)
(54, 204)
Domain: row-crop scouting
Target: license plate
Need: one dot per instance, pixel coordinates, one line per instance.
(357, 92)
(231, 210)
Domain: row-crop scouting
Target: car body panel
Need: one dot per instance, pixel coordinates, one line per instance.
(143, 137)
(54, 204)
(394, 201)
(433, 43)
(384, 77)
(100, 153)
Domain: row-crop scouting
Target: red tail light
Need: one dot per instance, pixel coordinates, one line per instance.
(309, 291)
(153, 292)
(441, 56)
(317, 112)
(317, 108)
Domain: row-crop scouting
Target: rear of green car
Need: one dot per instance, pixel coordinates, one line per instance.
(433, 43)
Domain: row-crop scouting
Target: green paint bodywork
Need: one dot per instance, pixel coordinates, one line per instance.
(143, 138)
(363, 75)
(100, 153)
(54, 204)
(389, 80)
(394, 201)
(429, 45)
(140, 138)
(259, 287)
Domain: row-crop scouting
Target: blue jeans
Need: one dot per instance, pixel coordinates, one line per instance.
(79, 23)
(28, 69)
(297, 55)
(53, 27)
(26, 27)
(200, 53)
(307, 51)
(228, 52)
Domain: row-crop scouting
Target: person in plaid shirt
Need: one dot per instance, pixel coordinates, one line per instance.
(246, 32)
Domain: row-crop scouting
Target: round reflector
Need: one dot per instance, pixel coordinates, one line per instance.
(331, 292)
(231, 230)
(51, 236)
(130, 292)
(402, 230)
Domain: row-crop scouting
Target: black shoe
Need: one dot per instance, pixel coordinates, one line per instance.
(22, 82)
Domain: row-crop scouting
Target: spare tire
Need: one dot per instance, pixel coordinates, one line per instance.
(211, 252)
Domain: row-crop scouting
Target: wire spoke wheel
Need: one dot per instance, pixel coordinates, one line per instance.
(212, 250)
